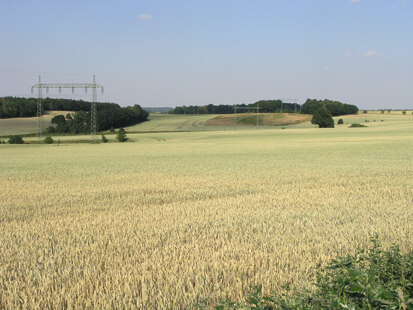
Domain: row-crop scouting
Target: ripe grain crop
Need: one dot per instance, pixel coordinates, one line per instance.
(195, 217)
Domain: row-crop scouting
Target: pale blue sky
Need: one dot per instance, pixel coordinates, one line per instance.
(168, 53)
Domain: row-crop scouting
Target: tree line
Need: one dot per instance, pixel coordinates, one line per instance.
(109, 117)
(108, 114)
(266, 106)
(17, 107)
(27, 107)
(336, 108)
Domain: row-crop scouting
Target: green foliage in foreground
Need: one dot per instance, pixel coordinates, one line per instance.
(16, 140)
(372, 279)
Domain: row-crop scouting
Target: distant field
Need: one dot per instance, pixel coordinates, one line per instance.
(26, 125)
(210, 122)
(173, 219)
(191, 122)
(171, 122)
(260, 119)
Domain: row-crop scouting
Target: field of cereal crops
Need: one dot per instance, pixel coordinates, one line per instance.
(179, 218)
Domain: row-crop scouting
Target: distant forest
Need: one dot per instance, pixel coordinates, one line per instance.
(266, 106)
(336, 108)
(109, 114)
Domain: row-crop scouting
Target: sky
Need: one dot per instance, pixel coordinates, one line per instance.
(168, 53)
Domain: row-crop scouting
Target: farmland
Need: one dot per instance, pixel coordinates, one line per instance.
(172, 219)
(26, 125)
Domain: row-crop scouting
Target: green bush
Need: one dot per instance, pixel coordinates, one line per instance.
(16, 140)
(404, 112)
(104, 139)
(365, 112)
(356, 125)
(121, 136)
(340, 121)
(2, 142)
(371, 279)
(50, 129)
(323, 118)
(48, 140)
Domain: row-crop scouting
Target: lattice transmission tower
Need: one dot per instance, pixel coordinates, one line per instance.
(293, 101)
(93, 113)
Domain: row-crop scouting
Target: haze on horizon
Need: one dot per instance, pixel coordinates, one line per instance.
(169, 53)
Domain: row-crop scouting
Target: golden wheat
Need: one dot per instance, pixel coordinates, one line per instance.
(194, 217)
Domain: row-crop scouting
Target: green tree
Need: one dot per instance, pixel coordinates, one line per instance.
(48, 140)
(16, 140)
(121, 136)
(323, 118)
(340, 121)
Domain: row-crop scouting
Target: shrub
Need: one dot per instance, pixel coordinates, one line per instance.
(121, 136)
(48, 140)
(112, 129)
(365, 112)
(16, 140)
(323, 118)
(404, 112)
(340, 121)
(356, 125)
(50, 129)
(382, 111)
(372, 279)
(104, 139)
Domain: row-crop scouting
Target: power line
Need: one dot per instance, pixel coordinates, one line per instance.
(93, 114)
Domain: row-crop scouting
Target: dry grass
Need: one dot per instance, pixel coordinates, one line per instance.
(195, 217)
(264, 119)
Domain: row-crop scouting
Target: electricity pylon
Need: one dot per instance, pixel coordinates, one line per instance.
(73, 86)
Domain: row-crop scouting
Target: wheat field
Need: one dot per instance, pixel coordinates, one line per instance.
(172, 220)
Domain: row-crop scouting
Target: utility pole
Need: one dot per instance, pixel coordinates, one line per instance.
(73, 86)
(258, 109)
(39, 114)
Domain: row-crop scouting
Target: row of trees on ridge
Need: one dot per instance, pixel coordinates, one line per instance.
(266, 106)
(78, 121)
